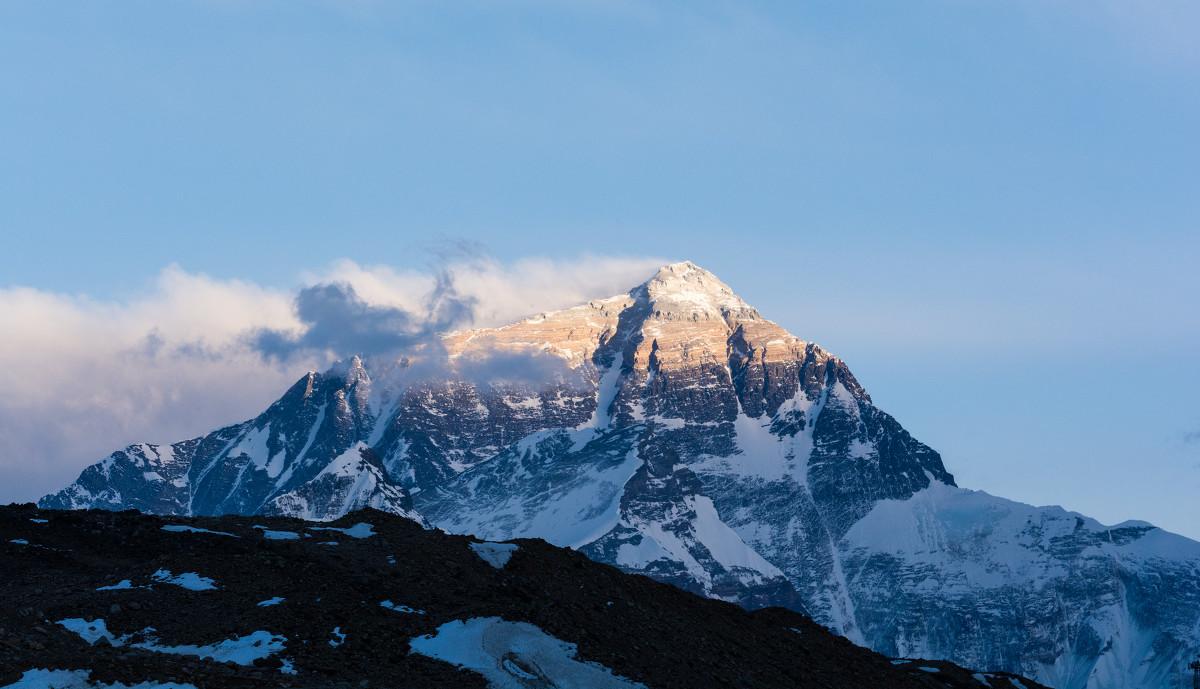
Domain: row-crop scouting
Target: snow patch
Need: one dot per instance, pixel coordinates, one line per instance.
(638, 555)
(243, 650)
(400, 608)
(606, 394)
(510, 655)
(723, 543)
(571, 514)
(188, 580)
(339, 637)
(80, 679)
(495, 554)
(184, 528)
(359, 530)
(121, 585)
(90, 631)
(272, 535)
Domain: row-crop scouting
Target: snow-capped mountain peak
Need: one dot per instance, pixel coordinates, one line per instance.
(701, 444)
(686, 291)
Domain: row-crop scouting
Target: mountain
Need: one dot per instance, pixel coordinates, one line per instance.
(375, 600)
(688, 438)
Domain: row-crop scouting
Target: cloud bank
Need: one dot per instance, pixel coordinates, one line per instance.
(83, 377)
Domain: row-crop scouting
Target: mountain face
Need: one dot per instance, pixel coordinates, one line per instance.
(101, 600)
(696, 442)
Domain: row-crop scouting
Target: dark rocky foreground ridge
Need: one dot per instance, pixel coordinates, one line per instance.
(346, 599)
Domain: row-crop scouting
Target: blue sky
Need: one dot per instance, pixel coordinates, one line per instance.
(991, 210)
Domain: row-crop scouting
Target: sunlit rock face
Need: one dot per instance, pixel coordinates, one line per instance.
(673, 431)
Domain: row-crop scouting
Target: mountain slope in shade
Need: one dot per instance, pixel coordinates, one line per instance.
(375, 600)
(302, 457)
(692, 440)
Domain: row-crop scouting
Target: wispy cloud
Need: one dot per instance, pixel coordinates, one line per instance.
(83, 377)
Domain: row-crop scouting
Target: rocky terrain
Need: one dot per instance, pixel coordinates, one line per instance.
(682, 435)
(118, 599)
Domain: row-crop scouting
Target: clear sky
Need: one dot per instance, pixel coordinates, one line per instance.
(990, 209)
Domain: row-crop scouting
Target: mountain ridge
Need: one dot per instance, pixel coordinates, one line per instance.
(102, 600)
(680, 434)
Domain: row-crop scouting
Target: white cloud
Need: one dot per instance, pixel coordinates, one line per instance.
(504, 292)
(83, 377)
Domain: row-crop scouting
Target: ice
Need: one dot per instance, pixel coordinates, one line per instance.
(510, 655)
(19, 541)
(39, 521)
(271, 601)
(188, 580)
(121, 585)
(79, 679)
(184, 528)
(400, 608)
(286, 667)
(359, 530)
(512, 668)
(272, 535)
(926, 668)
(982, 679)
(495, 554)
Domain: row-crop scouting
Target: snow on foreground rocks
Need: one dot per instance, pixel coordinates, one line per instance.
(243, 650)
(187, 580)
(276, 535)
(495, 554)
(512, 655)
(80, 679)
(359, 530)
(184, 528)
(300, 615)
